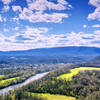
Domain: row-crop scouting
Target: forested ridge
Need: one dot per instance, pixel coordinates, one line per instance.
(82, 86)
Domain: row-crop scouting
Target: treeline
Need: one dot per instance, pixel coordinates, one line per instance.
(50, 84)
(20, 95)
(25, 72)
(92, 96)
(18, 61)
(82, 85)
(13, 76)
(86, 83)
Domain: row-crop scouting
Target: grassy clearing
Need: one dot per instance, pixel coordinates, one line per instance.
(1, 76)
(74, 72)
(53, 97)
(7, 81)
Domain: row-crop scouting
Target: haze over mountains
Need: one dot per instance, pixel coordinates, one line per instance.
(95, 61)
(49, 55)
(57, 51)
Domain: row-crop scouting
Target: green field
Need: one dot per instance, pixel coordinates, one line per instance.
(53, 97)
(9, 79)
(6, 82)
(74, 72)
(1, 76)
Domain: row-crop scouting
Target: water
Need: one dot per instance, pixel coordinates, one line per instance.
(29, 80)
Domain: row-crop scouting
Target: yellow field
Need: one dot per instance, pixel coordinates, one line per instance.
(74, 72)
(7, 81)
(53, 97)
(1, 76)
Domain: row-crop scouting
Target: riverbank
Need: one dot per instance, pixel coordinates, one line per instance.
(29, 80)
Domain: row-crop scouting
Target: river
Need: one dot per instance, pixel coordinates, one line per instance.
(29, 80)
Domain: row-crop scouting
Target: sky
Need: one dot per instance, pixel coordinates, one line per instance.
(31, 24)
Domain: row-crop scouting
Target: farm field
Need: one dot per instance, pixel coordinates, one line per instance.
(11, 76)
(53, 97)
(1, 76)
(7, 82)
(75, 71)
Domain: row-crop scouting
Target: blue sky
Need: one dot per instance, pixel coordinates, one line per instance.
(30, 24)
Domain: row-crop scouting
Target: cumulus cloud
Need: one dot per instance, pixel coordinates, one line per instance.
(5, 30)
(16, 19)
(97, 32)
(95, 3)
(96, 14)
(46, 11)
(27, 14)
(2, 19)
(6, 8)
(6, 2)
(16, 8)
(84, 26)
(16, 28)
(38, 11)
(96, 26)
(41, 5)
(6, 5)
(32, 32)
(32, 37)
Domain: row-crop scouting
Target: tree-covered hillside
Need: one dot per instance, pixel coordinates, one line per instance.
(82, 86)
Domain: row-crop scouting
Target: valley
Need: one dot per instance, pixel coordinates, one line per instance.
(61, 89)
(49, 49)
(22, 79)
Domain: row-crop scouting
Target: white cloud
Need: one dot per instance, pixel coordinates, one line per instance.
(6, 8)
(2, 37)
(95, 3)
(1, 18)
(96, 26)
(32, 38)
(97, 32)
(16, 19)
(16, 8)
(84, 26)
(38, 17)
(6, 5)
(6, 30)
(38, 11)
(96, 14)
(4, 19)
(16, 29)
(6, 2)
(32, 32)
(41, 5)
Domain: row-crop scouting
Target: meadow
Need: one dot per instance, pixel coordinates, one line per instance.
(75, 71)
(53, 97)
(7, 82)
(10, 76)
(1, 76)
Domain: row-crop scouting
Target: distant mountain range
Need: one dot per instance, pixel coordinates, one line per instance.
(57, 51)
(50, 55)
